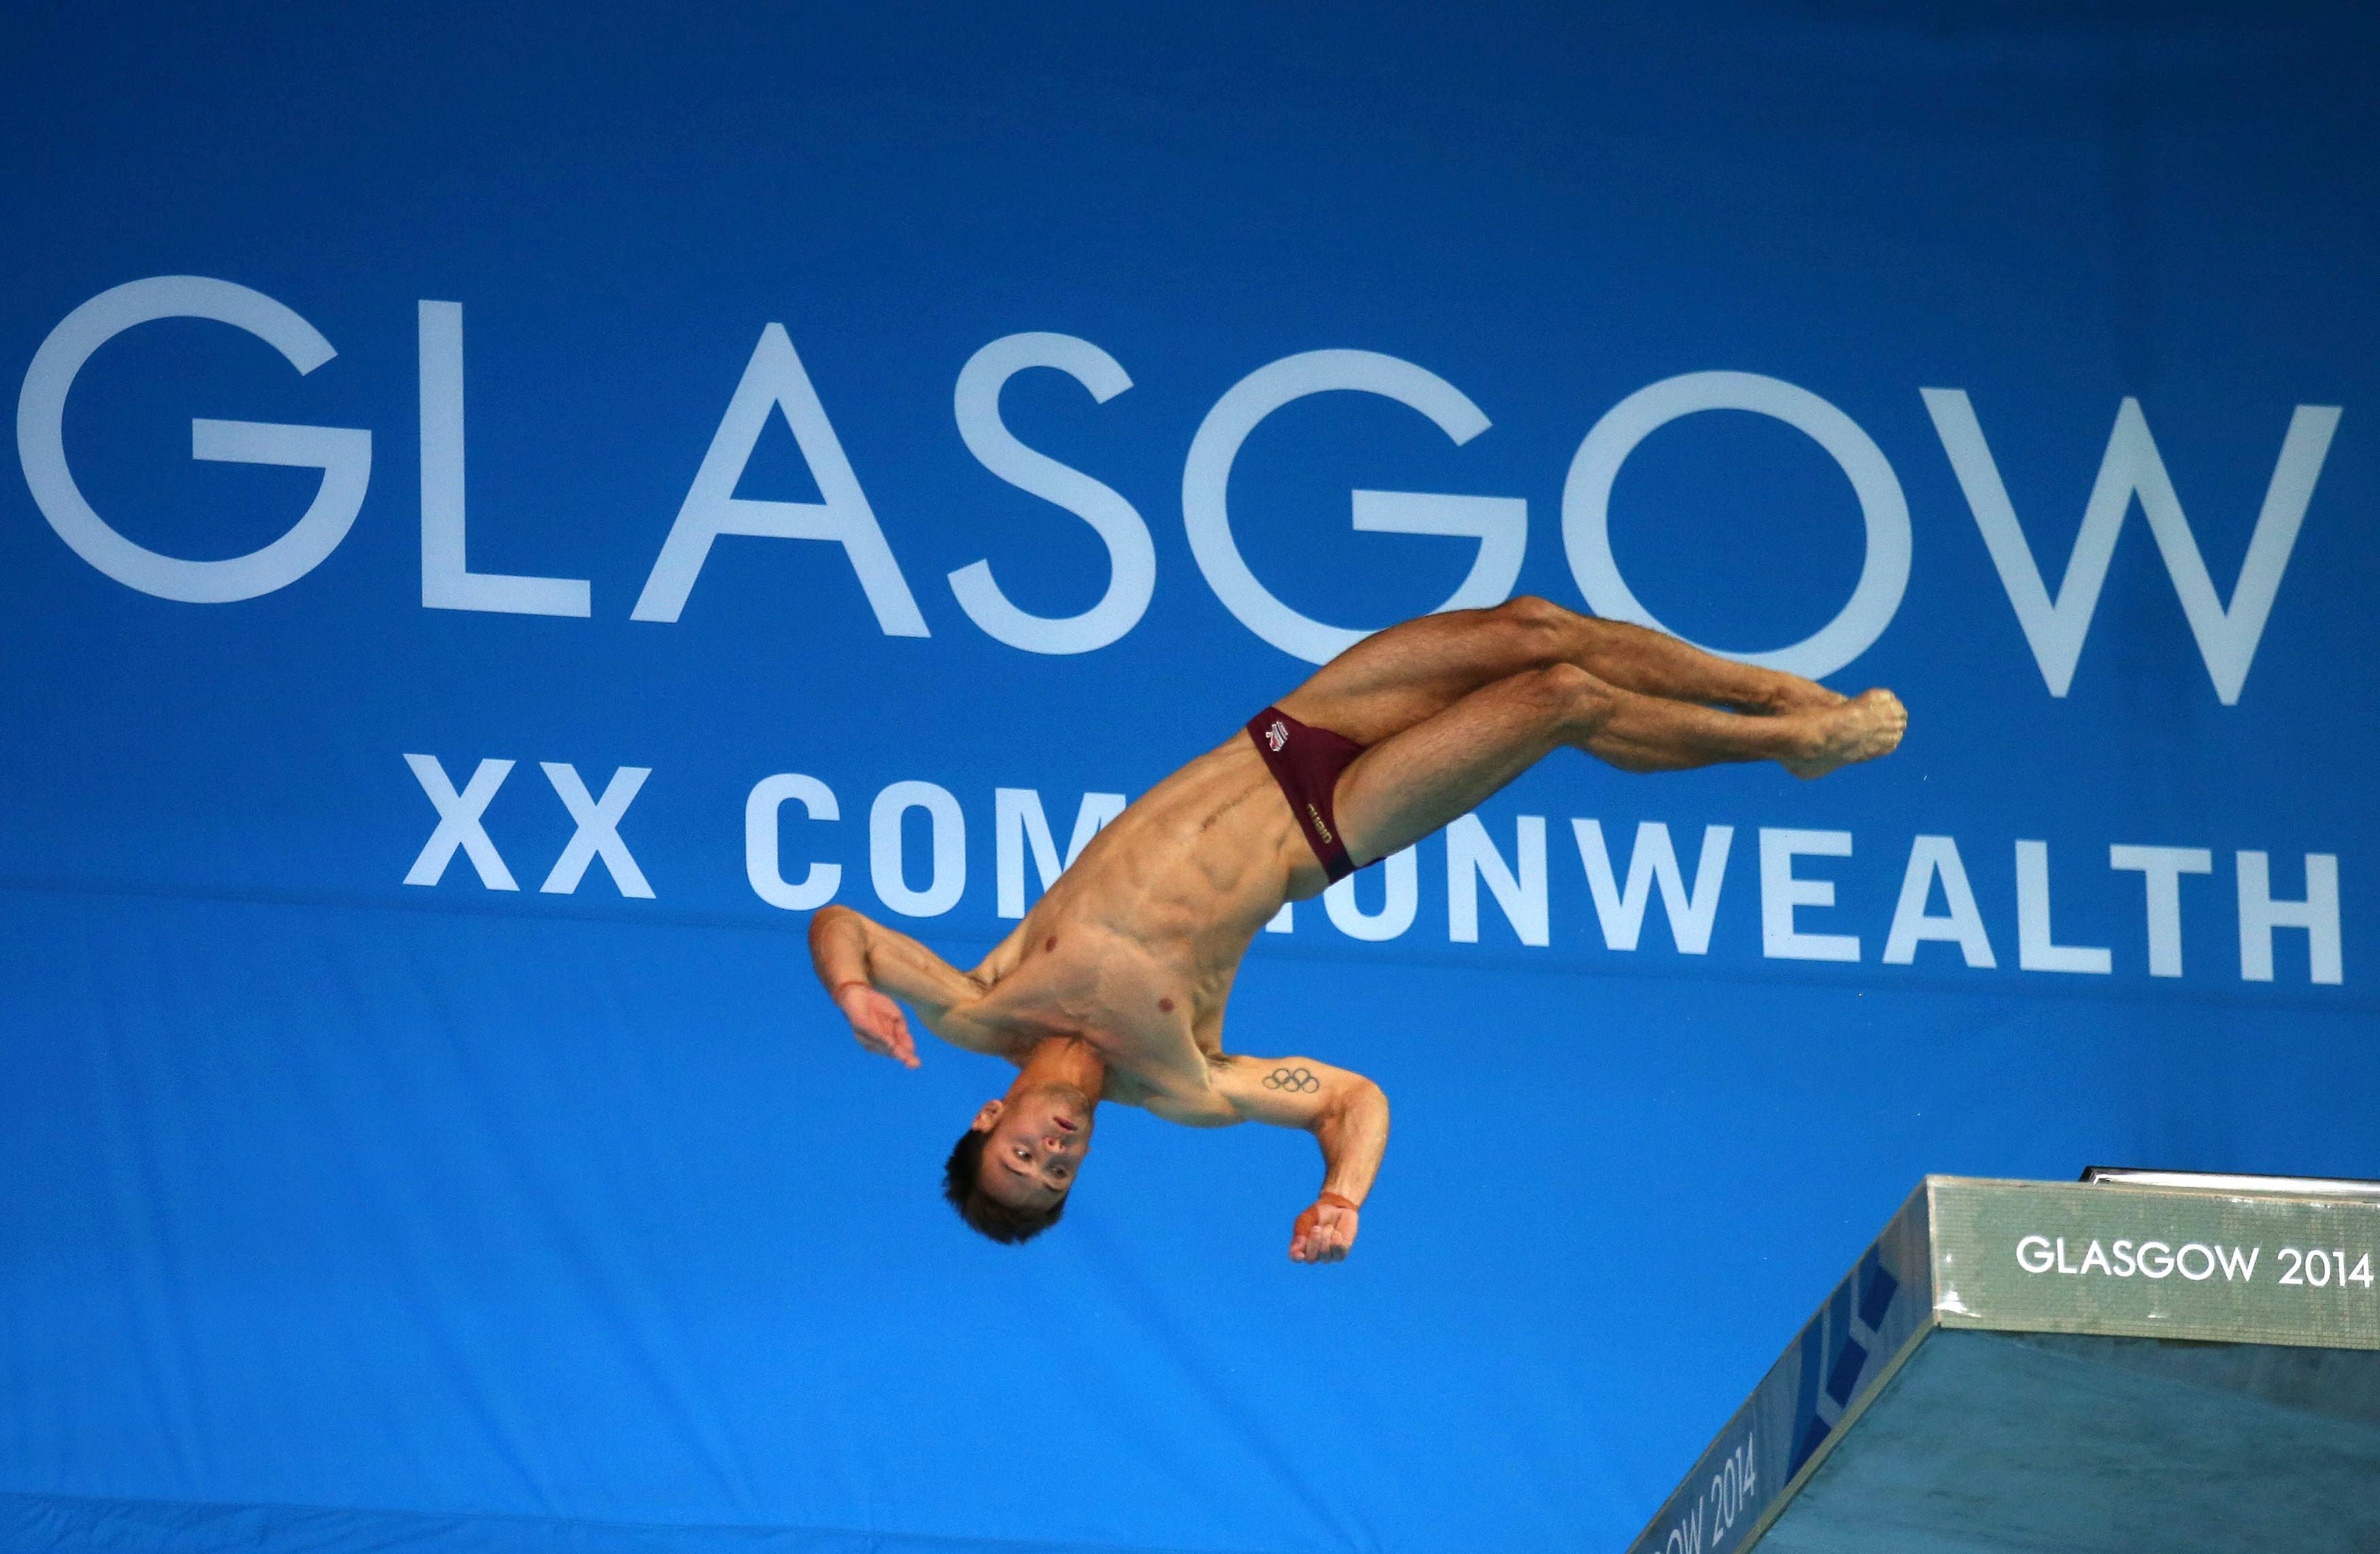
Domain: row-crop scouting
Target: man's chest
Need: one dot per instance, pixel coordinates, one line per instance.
(1146, 1013)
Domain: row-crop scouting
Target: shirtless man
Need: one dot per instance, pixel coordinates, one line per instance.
(1112, 987)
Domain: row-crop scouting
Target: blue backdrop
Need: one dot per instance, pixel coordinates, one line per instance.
(2021, 362)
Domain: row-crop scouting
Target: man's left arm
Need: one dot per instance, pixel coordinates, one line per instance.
(1347, 1114)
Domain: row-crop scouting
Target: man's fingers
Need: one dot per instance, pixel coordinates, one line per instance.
(1305, 1235)
(890, 1041)
(1323, 1234)
(1339, 1234)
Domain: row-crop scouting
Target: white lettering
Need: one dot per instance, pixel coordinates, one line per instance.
(2054, 629)
(773, 380)
(2317, 914)
(761, 862)
(458, 823)
(2036, 950)
(1620, 913)
(447, 581)
(599, 830)
(1884, 572)
(1132, 556)
(1686, 1537)
(2161, 869)
(1781, 892)
(885, 863)
(1500, 523)
(1470, 855)
(1933, 857)
(342, 454)
(2039, 1253)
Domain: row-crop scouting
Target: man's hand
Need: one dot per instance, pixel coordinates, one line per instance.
(1325, 1232)
(877, 1023)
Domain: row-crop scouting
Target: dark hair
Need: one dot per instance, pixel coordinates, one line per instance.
(978, 1207)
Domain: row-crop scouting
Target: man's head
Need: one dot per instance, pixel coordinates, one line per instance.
(1013, 1168)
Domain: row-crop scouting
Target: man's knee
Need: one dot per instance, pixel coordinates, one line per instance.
(1539, 630)
(1528, 611)
(1568, 696)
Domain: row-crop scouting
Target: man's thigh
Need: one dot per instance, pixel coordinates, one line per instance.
(1395, 679)
(1419, 779)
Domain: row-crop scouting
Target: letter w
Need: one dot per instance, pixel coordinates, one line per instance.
(2236, 1267)
(2055, 629)
(1621, 912)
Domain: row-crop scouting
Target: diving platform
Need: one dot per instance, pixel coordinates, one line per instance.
(2137, 1361)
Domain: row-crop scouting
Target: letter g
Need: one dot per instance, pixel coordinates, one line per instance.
(342, 454)
(2033, 1253)
(1500, 523)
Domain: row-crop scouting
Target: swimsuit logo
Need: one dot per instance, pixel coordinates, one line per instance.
(1322, 826)
(1277, 736)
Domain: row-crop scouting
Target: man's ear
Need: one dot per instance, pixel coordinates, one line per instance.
(988, 1118)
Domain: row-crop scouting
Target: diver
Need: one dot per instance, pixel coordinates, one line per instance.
(1113, 986)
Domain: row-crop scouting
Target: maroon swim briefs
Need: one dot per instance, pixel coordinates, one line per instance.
(1306, 762)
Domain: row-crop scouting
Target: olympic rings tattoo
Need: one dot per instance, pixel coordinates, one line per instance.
(1298, 1081)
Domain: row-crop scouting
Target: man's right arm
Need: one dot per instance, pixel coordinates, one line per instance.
(864, 966)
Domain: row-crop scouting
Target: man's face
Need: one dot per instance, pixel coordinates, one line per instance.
(1036, 1144)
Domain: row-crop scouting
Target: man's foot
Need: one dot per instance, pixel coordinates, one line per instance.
(1868, 725)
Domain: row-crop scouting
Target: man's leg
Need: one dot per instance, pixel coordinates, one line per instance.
(1395, 678)
(1415, 781)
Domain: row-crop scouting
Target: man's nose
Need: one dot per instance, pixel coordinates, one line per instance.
(1059, 1142)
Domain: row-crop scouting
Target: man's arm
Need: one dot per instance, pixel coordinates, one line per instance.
(1347, 1114)
(864, 966)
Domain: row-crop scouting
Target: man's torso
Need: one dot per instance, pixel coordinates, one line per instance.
(1134, 947)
